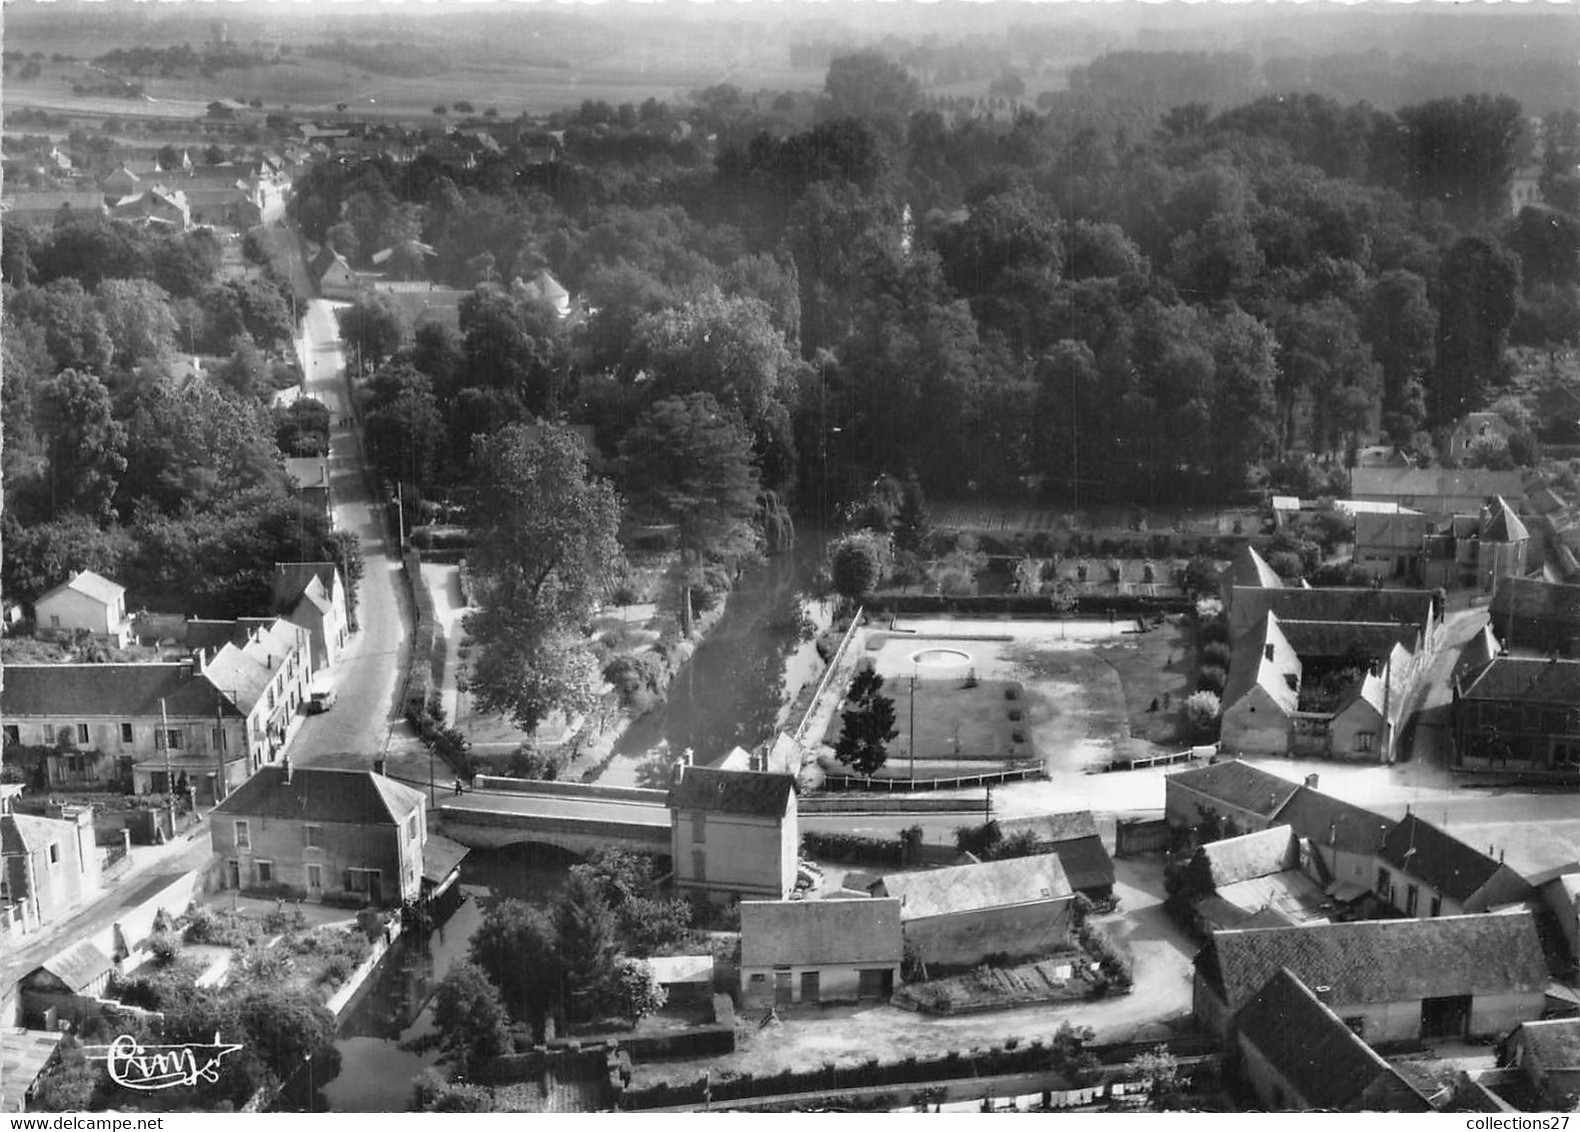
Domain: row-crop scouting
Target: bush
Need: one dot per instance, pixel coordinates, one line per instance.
(1217, 653)
(1212, 679)
(1213, 630)
(1201, 713)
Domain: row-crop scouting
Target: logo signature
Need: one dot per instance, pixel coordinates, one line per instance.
(151, 1068)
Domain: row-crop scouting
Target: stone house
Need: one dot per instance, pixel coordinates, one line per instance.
(734, 834)
(1389, 980)
(959, 915)
(1292, 1053)
(1518, 713)
(1439, 492)
(313, 832)
(1339, 842)
(312, 596)
(66, 987)
(1533, 613)
(1255, 877)
(799, 952)
(1234, 791)
(49, 866)
(1075, 838)
(86, 601)
(1423, 872)
(309, 475)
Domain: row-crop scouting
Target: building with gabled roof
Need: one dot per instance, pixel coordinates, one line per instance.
(1249, 570)
(1294, 1054)
(49, 866)
(1439, 492)
(1343, 840)
(1533, 613)
(1390, 980)
(819, 951)
(1251, 879)
(313, 596)
(85, 602)
(44, 209)
(1413, 608)
(734, 833)
(1235, 791)
(334, 275)
(1075, 838)
(1547, 1054)
(959, 915)
(66, 986)
(312, 832)
(548, 290)
(1422, 871)
(1519, 714)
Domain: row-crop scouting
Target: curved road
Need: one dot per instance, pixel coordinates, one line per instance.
(367, 676)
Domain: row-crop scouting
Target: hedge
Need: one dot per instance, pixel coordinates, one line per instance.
(1124, 606)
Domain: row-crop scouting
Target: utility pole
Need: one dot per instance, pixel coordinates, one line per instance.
(911, 735)
(170, 778)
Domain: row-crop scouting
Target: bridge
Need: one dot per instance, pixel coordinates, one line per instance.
(573, 816)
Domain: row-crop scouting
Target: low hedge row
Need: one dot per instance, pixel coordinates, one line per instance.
(1025, 605)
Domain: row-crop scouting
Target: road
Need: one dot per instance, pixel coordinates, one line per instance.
(368, 675)
(560, 806)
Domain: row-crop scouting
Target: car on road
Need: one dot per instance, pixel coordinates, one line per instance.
(320, 702)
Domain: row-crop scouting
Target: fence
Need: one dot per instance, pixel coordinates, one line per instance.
(907, 785)
(828, 674)
(1142, 762)
(862, 802)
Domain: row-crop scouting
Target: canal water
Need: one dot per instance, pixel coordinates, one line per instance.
(733, 691)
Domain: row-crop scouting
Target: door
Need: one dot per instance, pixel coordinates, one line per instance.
(1447, 1017)
(783, 994)
(875, 983)
(232, 874)
(375, 887)
(809, 987)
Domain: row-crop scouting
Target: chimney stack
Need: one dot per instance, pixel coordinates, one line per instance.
(378, 765)
(1311, 782)
(186, 668)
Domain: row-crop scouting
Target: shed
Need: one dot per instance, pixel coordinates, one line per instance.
(961, 914)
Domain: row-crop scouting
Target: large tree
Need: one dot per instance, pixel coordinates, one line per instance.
(547, 553)
(1462, 153)
(469, 1016)
(85, 443)
(374, 329)
(589, 946)
(1479, 297)
(867, 725)
(1400, 325)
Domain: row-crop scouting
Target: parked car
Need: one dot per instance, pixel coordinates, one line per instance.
(320, 701)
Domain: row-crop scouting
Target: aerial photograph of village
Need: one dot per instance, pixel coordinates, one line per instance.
(775, 557)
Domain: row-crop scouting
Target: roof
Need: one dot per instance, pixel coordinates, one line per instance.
(244, 677)
(1364, 604)
(1252, 855)
(1238, 784)
(976, 888)
(682, 968)
(1524, 679)
(89, 584)
(307, 471)
(291, 579)
(132, 691)
(53, 201)
(1248, 568)
(23, 1056)
(1536, 599)
(1441, 482)
(544, 286)
(1328, 821)
(1312, 1049)
(322, 794)
(1554, 1042)
(1053, 828)
(1499, 523)
(1381, 961)
(779, 933)
(733, 792)
(441, 857)
(1250, 666)
(1340, 638)
(1446, 863)
(24, 833)
(79, 965)
(1074, 837)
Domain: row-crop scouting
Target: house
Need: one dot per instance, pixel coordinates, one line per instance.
(1294, 1054)
(1547, 1054)
(316, 832)
(1247, 569)
(1532, 613)
(1254, 875)
(138, 719)
(45, 209)
(1074, 837)
(1389, 543)
(1561, 893)
(819, 951)
(957, 916)
(49, 866)
(125, 181)
(333, 274)
(1243, 797)
(1339, 842)
(686, 978)
(159, 206)
(310, 476)
(1422, 871)
(547, 290)
(1476, 550)
(310, 595)
(1364, 605)
(733, 834)
(224, 207)
(1389, 980)
(1519, 714)
(1474, 427)
(25, 1055)
(85, 602)
(1439, 492)
(66, 987)
(264, 663)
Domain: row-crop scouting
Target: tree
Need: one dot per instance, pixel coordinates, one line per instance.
(867, 725)
(138, 319)
(1462, 152)
(375, 327)
(1158, 1069)
(637, 991)
(857, 564)
(513, 342)
(84, 442)
(1480, 285)
(1399, 324)
(588, 946)
(285, 1025)
(469, 1016)
(874, 88)
(1201, 713)
(403, 425)
(516, 947)
(546, 553)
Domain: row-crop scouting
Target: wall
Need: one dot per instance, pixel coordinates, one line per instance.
(1500, 1013)
(837, 982)
(1565, 903)
(1255, 725)
(1273, 1091)
(342, 846)
(75, 611)
(967, 937)
(1346, 727)
(1184, 807)
(742, 855)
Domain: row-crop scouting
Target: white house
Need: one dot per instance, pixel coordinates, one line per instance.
(85, 601)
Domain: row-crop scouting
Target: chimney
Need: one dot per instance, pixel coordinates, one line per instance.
(378, 765)
(197, 662)
(1323, 992)
(1311, 782)
(186, 668)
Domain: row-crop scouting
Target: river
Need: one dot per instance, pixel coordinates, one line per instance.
(734, 691)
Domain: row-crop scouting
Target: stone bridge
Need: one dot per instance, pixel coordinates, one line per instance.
(571, 816)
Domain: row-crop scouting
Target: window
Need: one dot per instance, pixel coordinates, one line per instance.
(49, 734)
(126, 732)
(216, 738)
(243, 836)
(12, 735)
(315, 876)
(1437, 906)
(54, 621)
(411, 827)
(54, 853)
(759, 977)
(1364, 740)
(265, 872)
(1412, 897)
(82, 733)
(314, 838)
(173, 739)
(1384, 884)
(699, 829)
(699, 865)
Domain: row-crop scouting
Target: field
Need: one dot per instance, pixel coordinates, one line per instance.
(955, 721)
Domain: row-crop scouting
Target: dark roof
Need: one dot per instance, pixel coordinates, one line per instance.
(777, 933)
(733, 792)
(1248, 568)
(1053, 828)
(1526, 680)
(1499, 523)
(1537, 600)
(291, 578)
(1446, 863)
(1431, 482)
(1250, 855)
(1239, 784)
(322, 794)
(1381, 961)
(441, 857)
(1311, 1048)
(211, 635)
(1326, 820)
(1553, 1043)
(1404, 607)
(129, 690)
(1311, 639)
(1074, 837)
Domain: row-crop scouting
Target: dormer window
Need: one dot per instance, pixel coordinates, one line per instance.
(1267, 651)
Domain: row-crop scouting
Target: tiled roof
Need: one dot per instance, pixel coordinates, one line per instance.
(89, 584)
(1250, 666)
(25, 833)
(977, 888)
(322, 794)
(132, 691)
(243, 677)
(1534, 599)
(1052, 828)
(778, 933)
(732, 792)
(1312, 1049)
(1331, 639)
(1403, 607)
(1381, 961)
(1239, 784)
(1252, 855)
(1417, 482)
(441, 857)
(1074, 837)
(79, 965)
(1326, 820)
(1499, 523)
(1446, 863)
(53, 202)
(1553, 1043)
(290, 579)
(1248, 568)
(1527, 680)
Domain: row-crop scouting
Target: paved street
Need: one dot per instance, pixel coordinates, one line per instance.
(369, 672)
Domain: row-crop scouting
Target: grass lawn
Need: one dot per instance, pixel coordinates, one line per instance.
(1152, 665)
(954, 722)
